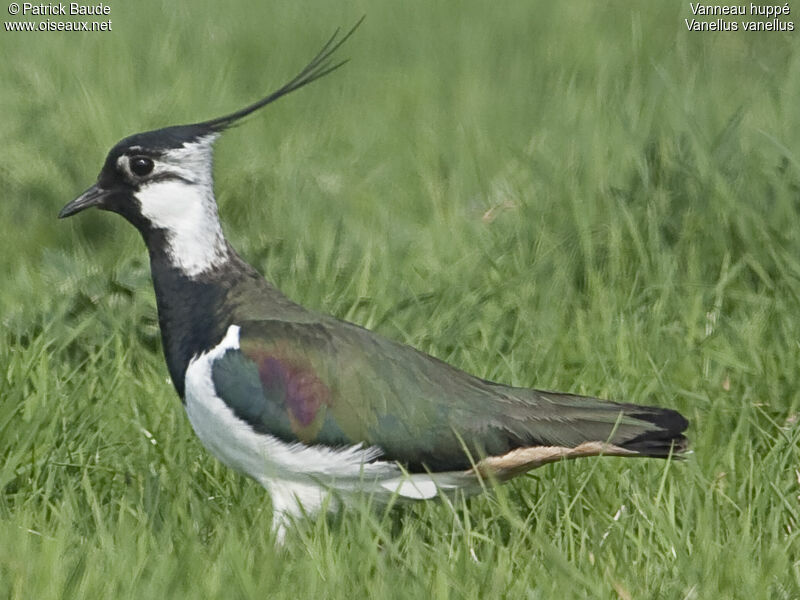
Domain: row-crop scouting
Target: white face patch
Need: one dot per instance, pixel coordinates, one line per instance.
(180, 200)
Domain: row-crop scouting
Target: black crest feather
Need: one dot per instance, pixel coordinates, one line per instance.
(320, 65)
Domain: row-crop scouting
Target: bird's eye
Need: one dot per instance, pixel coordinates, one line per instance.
(140, 165)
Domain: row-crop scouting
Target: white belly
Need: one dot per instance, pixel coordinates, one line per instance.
(295, 474)
(262, 456)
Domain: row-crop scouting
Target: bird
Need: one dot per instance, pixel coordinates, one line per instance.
(315, 409)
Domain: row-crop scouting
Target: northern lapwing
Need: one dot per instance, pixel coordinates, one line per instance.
(307, 404)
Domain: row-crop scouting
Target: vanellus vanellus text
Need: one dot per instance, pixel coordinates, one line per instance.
(307, 404)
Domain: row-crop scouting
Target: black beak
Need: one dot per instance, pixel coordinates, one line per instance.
(94, 196)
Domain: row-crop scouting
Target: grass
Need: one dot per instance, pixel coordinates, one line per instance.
(580, 196)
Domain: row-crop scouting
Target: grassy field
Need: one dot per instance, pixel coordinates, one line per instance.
(580, 196)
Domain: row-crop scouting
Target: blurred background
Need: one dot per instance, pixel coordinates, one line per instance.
(575, 195)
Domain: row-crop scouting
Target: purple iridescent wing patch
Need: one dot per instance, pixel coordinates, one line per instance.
(288, 379)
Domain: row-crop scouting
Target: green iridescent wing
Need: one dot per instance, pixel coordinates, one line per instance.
(332, 383)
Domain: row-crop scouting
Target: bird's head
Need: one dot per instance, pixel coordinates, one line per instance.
(154, 178)
(161, 180)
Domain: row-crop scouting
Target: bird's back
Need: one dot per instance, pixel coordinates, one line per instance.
(312, 378)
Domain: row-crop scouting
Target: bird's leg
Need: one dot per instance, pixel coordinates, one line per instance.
(292, 500)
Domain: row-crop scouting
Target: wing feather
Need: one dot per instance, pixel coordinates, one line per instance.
(333, 383)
